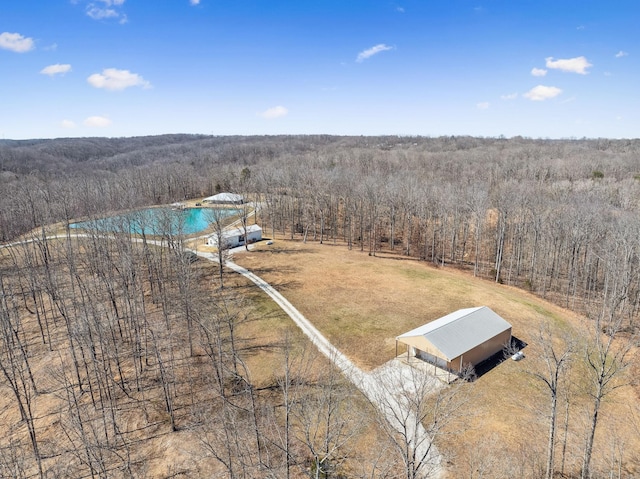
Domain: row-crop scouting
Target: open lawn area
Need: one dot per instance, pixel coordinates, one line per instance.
(361, 303)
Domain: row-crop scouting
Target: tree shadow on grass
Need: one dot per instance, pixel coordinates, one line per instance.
(263, 270)
(282, 286)
(395, 256)
(277, 248)
(279, 286)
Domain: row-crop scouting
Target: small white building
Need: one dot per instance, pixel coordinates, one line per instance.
(224, 199)
(236, 236)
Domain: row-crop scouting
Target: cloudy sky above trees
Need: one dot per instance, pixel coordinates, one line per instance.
(363, 67)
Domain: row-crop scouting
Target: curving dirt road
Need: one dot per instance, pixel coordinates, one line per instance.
(384, 387)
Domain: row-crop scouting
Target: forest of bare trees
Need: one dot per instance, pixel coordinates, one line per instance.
(123, 330)
(556, 217)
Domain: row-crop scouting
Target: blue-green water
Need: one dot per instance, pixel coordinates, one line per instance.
(158, 221)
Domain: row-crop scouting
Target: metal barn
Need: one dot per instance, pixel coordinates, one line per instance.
(463, 338)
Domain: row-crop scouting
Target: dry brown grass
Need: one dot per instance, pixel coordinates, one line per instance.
(156, 450)
(361, 303)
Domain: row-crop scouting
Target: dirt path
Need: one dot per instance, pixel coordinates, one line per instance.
(382, 387)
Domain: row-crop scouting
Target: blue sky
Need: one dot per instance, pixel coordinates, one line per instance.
(541, 69)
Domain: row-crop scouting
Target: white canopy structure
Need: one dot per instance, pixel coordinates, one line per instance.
(224, 199)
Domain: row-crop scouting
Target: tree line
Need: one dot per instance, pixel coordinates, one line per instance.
(551, 216)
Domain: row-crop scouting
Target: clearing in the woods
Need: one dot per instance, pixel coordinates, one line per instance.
(361, 303)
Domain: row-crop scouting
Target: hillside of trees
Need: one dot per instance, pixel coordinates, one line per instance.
(117, 320)
(558, 217)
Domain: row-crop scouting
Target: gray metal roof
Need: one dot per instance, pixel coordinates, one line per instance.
(460, 331)
(239, 230)
(236, 231)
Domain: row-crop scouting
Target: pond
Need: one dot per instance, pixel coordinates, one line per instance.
(158, 221)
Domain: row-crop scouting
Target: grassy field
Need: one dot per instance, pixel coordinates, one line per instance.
(361, 303)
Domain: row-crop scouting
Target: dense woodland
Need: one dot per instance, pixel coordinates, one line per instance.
(558, 218)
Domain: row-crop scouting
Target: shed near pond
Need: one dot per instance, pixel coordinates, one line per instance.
(463, 338)
(237, 236)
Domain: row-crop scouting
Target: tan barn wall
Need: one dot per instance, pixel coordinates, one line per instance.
(455, 365)
(483, 351)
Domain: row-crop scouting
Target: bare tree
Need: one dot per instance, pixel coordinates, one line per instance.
(218, 218)
(416, 409)
(13, 464)
(606, 359)
(477, 200)
(247, 210)
(556, 359)
(327, 422)
(288, 382)
(609, 350)
(167, 380)
(15, 366)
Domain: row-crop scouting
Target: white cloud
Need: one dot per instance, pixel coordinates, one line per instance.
(68, 124)
(381, 47)
(509, 96)
(114, 79)
(106, 9)
(538, 72)
(400, 9)
(97, 122)
(98, 13)
(111, 3)
(541, 93)
(16, 42)
(572, 65)
(275, 112)
(56, 69)
(194, 2)
(482, 105)
(621, 54)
